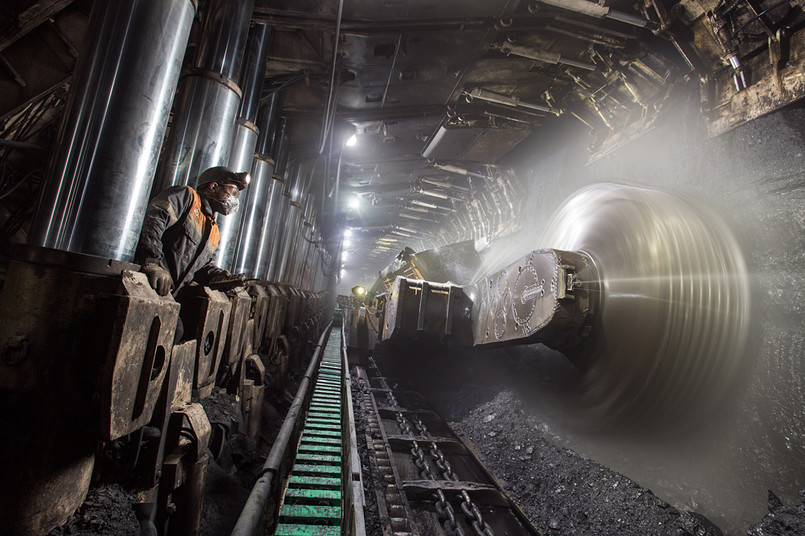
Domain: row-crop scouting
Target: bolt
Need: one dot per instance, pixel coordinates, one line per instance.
(16, 350)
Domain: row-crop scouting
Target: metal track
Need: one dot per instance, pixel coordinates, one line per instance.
(312, 503)
(311, 478)
(432, 483)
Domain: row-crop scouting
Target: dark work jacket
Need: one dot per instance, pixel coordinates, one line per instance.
(180, 234)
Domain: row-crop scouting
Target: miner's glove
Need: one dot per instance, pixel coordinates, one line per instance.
(158, 278)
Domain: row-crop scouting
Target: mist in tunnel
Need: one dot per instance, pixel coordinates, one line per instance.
(700, 244)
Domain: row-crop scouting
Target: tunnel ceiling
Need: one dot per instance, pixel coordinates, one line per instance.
(439, 91)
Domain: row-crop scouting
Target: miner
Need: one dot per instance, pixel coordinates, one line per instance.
(179, 237)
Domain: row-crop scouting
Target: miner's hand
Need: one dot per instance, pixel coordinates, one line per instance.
(158, 278)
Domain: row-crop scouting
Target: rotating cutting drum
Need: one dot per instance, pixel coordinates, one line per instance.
(673, 306)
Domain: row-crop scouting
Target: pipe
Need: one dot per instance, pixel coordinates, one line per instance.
(285, 224)
(254, 70)
(302, 243)
(257, 208)
(515, 102)
(328, 109)
(25, 146)
(457, 170)
(271, 229)
(203, 129)
(291, 235)
(545, 56)
(251, 520)
(99, 179)
(279, 148)
(223, 36)
(237, 240)
(240, 160)
(446, 184)
(204, 119)
(268, 122)
(281, 230)
(251, 79)
(254, 213)
(430, 205)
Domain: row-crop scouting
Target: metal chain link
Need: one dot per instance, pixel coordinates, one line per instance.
(443, 508)
(468, 507)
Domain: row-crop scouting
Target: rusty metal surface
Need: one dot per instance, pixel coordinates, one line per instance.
(205, 315)
(258, 312)
(138, 355)
(278, 306)
(236, 329)
(252, 392)
(183, 360)
(424, 310)
(64, 335)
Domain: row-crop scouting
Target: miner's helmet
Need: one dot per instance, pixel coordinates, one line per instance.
(224, 175)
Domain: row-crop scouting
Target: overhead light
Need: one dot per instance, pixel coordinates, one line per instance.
(355, 202)
(351, 141)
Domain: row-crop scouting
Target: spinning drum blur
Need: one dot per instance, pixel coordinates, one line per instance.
(674, 307)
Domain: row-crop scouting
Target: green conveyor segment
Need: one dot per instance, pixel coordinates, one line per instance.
(307, 530)
(313, 501)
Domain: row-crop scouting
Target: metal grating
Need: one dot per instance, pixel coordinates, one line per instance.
(313, 500)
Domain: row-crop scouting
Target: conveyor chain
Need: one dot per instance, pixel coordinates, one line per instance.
(432, 483)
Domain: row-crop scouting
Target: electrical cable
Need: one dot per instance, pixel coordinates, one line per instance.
(331, 95)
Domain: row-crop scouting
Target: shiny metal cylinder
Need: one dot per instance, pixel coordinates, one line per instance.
(272, 226)
(268, 122)
(297, 190)
(303, 243)
(230, 226)
(254, 213)
(203, 129)
(243, 145)
(303, 258)
(290, 240)
(309, 270)
(305, 263)
(99, 179)
(223, 36)
(254, 70)
(283, 228)
(279, 149)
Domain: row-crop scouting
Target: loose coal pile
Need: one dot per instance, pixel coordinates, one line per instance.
(561, 492)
